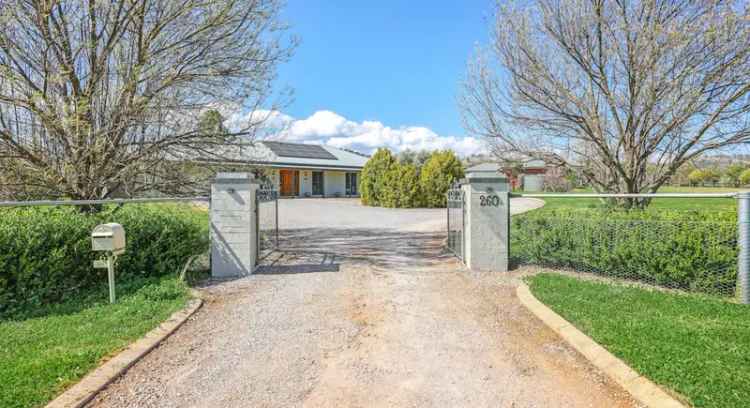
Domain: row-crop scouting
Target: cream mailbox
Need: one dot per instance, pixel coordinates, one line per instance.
(109, 238)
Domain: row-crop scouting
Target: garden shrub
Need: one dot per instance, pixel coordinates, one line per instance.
(688, 250)
(372, 181)
(46, 257)
(442, 169)
(389, 182)
(744, 177)
(401, 187)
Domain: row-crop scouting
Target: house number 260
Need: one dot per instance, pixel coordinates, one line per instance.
(489, 201)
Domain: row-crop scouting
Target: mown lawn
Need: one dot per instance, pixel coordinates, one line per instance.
(49, 349)
(719, 204)
(697, 346)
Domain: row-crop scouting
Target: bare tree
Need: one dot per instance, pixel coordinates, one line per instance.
(105, 97)
(616, 86)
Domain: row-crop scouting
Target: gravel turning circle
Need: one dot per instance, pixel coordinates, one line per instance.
(363, 308)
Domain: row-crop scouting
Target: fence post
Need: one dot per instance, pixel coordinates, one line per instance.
(448, 218)
(743, 231)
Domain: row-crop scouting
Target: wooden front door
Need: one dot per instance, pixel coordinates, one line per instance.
(289, 182)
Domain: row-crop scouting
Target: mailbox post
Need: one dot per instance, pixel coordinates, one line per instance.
(108, 238)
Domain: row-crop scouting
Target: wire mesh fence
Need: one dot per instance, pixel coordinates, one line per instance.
(456, 221)
(267, 220)
(694, 251)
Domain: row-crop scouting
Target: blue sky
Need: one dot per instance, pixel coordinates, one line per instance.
(381, 66)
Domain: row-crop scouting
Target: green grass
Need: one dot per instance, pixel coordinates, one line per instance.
(697, 346)
(46, 350)
(719, 204)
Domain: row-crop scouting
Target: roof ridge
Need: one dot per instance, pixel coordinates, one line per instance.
(350, 151)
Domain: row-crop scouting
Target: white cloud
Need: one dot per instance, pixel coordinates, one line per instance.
(326, 127)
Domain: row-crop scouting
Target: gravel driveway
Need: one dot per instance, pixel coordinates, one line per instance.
(363, 308)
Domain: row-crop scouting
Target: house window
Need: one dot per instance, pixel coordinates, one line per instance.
(317, 183)
(351, 184)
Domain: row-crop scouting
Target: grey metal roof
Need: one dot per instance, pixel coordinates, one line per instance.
(262, 153)
(484, 167)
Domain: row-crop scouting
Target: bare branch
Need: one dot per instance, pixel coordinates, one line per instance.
(100, 98)
(631, 91)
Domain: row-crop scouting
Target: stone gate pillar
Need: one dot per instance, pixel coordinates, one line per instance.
(233, 228)
(487, 196)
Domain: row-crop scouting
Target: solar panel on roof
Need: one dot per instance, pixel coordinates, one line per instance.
(301, 151)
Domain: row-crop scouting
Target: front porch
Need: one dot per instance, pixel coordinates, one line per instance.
(299, 182)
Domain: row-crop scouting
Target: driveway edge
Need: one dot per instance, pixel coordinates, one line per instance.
(640, 387)
(90, 385)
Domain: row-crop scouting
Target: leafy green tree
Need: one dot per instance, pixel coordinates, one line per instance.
(441, 170)
(407, 156)
(680, 176)
(372, 184)
(745, 177)
(712, 175)
(416, 157)
(733, 172)
(696, 176)
(422, 157)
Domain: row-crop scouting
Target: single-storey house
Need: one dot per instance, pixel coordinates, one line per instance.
(303, 170)
(528, 176)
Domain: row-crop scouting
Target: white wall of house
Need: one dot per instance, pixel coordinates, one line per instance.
(334, 183)
(305, 182)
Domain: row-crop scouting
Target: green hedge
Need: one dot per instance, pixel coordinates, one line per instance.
(46, 257)
(387, 182)
(688, 250)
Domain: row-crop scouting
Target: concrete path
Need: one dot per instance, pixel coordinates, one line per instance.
(364, 308)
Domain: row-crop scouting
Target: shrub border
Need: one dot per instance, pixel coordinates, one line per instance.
(640, 387)
(85, 390)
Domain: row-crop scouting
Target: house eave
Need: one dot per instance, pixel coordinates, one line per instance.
(308, 166)
(284, 165)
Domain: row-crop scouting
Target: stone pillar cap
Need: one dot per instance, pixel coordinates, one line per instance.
(222, 177)
(485, 177)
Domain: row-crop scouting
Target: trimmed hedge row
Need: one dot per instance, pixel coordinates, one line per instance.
(688, 250)
(46, 257)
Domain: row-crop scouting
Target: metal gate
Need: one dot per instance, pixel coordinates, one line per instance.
(456, 220)
(266, 221)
